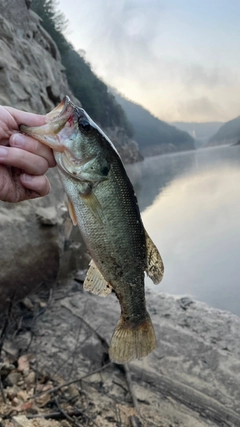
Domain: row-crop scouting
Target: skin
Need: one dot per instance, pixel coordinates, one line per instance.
(23, 160)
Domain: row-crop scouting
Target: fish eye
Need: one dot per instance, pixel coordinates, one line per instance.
(84, 125)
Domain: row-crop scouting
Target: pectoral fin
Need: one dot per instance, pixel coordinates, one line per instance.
(72, 213)
(95, 282)
(93, 204)
(155, 267)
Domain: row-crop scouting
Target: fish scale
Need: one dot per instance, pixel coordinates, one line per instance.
(103, 204)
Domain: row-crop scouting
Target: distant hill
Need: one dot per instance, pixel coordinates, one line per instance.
(153, 136)
(228, 134)
(201, 132)
(92, 92)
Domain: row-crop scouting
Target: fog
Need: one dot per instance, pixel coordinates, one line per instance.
(179, 59)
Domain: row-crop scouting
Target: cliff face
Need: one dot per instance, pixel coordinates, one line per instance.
(32, 77)
(37, 241)
(31, 74)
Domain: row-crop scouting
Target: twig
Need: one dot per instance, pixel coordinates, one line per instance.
(135, 421)
(79, 412)
(1, 389)
(65, 361)
(6, 323)
(36, 377)
(86, 416)
(52, 415)
(52, 390)
(130, 387)
(65, 414)
(103, 340)
(73, 355)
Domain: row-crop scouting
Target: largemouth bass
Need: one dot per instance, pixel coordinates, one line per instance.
(103, 204)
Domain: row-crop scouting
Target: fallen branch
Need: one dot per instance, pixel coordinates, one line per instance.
(2, 391)
(204, 405)
(66, 384)
(86, 416)
(135, 421)
(6, 322)
(125, 368)
(103, 340)
(65, 414)
(52, 415)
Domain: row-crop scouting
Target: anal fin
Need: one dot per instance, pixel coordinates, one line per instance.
(95, 282)
(155, 267)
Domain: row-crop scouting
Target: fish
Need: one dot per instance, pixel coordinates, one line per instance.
(102, 201)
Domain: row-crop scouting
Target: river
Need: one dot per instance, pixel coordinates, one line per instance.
(190, 205)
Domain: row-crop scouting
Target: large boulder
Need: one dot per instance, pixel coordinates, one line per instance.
(35, 240)
(38, 244)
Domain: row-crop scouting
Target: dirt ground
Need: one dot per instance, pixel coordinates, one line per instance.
(191, 380)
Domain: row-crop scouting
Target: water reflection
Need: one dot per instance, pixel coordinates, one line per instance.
(155, 173)
(191, 207)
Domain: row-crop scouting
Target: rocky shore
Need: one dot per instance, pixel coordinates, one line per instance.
(191, 379)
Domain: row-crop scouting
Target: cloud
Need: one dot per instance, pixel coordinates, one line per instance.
(198, 75)
(201, 109)
(156, 53)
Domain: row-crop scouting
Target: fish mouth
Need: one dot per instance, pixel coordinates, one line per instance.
(56, 120)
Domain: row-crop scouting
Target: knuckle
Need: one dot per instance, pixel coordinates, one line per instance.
(33, 144)
(42, 165)
(43, 186)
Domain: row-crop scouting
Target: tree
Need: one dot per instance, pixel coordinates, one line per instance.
(85, 85)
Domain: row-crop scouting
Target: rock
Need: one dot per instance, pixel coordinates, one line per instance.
(38, 243)
(47, 216)
(28, 303)
(127, 148)
(190, 373)
(32, 79)
(30, 378)
(13, 378)
(31, 76)
(23, 364)
(21, 421)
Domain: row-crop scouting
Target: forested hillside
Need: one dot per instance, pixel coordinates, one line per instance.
(85, 85)
(154, 136)
(228, 134)
(201, 132)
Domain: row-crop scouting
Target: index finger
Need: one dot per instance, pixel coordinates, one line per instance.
(29, 119)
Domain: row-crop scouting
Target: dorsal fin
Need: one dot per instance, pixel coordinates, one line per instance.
(155, 267)
(95, 282)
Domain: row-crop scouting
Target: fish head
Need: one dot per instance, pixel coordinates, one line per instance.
(72, 135)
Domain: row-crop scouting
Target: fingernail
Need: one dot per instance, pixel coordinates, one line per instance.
(26, 177)
(3, 152)
(18, 140)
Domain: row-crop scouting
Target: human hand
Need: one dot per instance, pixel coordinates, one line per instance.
(23, 160)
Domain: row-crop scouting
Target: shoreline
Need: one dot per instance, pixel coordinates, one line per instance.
(192, 378)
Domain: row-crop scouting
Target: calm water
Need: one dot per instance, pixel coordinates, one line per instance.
(190, 204)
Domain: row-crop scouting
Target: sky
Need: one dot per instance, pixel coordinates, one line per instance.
(180, 59)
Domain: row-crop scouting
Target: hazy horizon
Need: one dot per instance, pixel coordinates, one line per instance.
(178, 59)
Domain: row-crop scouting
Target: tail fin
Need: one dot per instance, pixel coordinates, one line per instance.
(130, 342)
